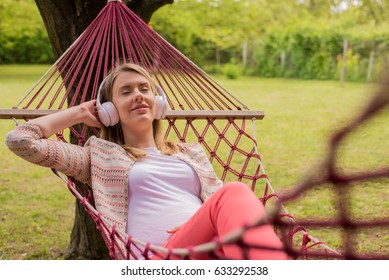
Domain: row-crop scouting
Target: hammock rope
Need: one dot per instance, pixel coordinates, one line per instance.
(118, 35)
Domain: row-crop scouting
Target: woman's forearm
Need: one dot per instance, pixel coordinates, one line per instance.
(53, 123)
(58, 121)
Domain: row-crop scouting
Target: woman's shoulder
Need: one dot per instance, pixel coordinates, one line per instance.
(183, 146)
(104, 146)
(100, 142)
(193, 150)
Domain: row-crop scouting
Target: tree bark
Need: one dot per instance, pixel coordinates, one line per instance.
(344, 61)
(371, 64)
(65, 20)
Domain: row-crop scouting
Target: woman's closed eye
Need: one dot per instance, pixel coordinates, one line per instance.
(144, 89)
(125, 91)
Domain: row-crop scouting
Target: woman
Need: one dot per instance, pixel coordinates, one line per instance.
(162, 192)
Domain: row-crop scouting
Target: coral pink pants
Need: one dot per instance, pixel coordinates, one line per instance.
(229, 208)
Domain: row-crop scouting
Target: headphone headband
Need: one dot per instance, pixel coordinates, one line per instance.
(99, 90)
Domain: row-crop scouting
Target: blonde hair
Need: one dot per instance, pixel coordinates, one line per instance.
(115, 133)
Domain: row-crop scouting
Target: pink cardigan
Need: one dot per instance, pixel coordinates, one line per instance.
(102, 165)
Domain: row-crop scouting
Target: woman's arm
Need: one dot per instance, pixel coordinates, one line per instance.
(83, 113)
(28, 141)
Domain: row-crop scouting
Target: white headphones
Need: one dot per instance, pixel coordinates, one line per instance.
(109, 116)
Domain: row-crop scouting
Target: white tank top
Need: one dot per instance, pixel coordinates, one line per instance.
(164, 192)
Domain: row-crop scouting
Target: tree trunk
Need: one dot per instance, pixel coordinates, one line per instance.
(371, 65)
(344, 61)
(65, 20)
(217, 56)
(282, 62)
(244, 54)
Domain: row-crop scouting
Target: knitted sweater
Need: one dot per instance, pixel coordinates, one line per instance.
(102, 165)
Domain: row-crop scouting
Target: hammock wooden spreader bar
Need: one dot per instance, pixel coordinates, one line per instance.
(171, 114)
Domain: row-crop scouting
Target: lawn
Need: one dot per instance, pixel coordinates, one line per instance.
(36, 209)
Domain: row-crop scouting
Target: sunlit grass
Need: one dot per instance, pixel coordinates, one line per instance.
(36, 210)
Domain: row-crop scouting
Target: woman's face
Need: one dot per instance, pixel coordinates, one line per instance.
(134, 100)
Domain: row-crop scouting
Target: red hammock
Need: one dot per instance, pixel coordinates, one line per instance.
(201, 110)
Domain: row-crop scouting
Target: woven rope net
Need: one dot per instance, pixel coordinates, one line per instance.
(118, 35)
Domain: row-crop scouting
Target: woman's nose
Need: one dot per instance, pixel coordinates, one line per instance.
(138, 97)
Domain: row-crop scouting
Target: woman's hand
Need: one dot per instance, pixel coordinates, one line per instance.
(89, 110)
(173, 230)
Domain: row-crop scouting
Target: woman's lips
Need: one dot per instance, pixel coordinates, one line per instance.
(140, 107)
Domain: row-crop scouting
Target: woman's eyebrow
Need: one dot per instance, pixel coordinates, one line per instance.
(132, 85)
(144, 84)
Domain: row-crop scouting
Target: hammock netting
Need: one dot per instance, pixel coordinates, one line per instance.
(118, 35)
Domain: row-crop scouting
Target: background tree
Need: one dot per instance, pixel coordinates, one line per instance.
(22, 35)
(255, 36)
(65, 20)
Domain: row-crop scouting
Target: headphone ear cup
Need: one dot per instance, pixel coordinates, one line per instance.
(108, 114)
(159, 107)
(160, 104)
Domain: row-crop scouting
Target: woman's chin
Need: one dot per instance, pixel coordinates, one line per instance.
(138, 122)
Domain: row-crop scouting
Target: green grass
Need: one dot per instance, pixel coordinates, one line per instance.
(293, 138)
(36, 209)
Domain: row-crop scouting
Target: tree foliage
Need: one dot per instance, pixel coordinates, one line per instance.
(290, 38)
(23, 38)
(299, 39)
